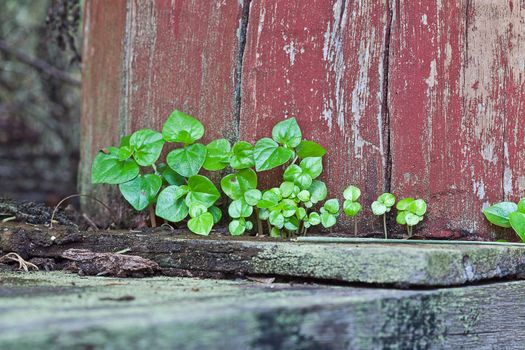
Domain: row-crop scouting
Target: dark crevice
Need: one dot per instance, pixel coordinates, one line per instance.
(385, 110)
(242, 32)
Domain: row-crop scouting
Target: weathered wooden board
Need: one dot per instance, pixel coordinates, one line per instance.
(60, 311)
(326, 68)
(177, 253)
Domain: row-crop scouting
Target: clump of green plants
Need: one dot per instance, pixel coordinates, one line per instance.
(508, 214)
(383, 205)
(351, 207)
(410, 212)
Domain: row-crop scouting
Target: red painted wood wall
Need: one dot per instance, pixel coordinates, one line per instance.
(422, 97)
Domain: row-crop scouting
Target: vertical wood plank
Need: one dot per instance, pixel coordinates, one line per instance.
(322, 62)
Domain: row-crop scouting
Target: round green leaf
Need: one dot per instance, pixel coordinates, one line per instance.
(308, 204)
(418, 207)
(291, 223)
(276, 219)
(124, 152)
(288, 207)
(242, 155)
(252, 197)
(318, 191)
(147, 145)
(181, 127)
(352, 193)
(412, 219)
(401, 217)
(141, 191)
(292, 172)
(378, 208)
(300, 213)
(312, 166)
(216, 212)
(187, 161)
(328, 220)
(351, 208)
(303, 196)
(237, 227)
(332, 206)
(286, 188)
(388, 199)
(275, 232)
(314, 218)
(217, 155)
(304, 181)
(202, 190)
(269, 199)
(239, 209)
(235, 185)
(404, 203)
(264, 214)
(170, 204)
(197, 209)
(498, 214)
(517, 221)
(521, 206)
(287, 132)
(172, 177)
(249, 225)
(108, 168)
(310, 149)
(201, 224)
(268, 154)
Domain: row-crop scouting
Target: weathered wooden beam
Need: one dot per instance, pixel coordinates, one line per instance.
(181, 254)
(58, 311)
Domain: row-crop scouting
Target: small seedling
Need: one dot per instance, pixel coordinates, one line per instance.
(508, 214)
(410, 213)
(383, 205)
(351, 206)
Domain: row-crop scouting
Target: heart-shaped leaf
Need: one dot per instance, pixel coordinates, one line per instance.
(147, 145)
(404, 203)
(412, 219)
(351, 193)
(187, 161)
(517, 221)
(292, 172)
(351, 208)
(276, 219)
(181, 127)
(217, 155)
(240, 209)
(314, 218)
(171, 177)
(286, 188)
(108, 168)
(216, 212)
(287, 132)
(418, 207)
(201, 190)
(521, 206)
(378, 208)
(269, 199)
(318, 191)
(498, 214)
(388, 199)
(332, 206)
(252, 197)
(237, 227)
(328, 220)
(141, 191)
(310, 149)
(268, 154)
(170, 203)
(312, 166)
(201, 224)
(235, 185)
(242, 155)
(197, 209)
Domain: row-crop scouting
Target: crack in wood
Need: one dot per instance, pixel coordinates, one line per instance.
(385, 108)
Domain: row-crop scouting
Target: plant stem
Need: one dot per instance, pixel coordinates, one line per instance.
(355, 226)
(408, 230)
(384, 226)
(152, 217)
(259, 223)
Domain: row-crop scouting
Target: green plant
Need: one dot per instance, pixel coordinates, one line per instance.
(508, 214)
(351, 207)
(383, 205)
(410, 212)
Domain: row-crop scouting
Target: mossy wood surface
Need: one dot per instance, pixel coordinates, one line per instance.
(58, 311)
(180, 254)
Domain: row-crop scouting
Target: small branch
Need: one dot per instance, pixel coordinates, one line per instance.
(384, 226)
(38, 64)
(152, 217)
(22, 264)
(79, 195)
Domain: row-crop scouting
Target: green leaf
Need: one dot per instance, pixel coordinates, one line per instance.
(310, 149)
(291, 223)
(332, 206)
(401, 217)
(197, 209)
(304, 181)
(292, 172)
(217, 155)
(287, 132)
(107, 168)
(328, 220)
(351, 208)
(286, 188)
(418, 207)
(252, 197)
(268, 154)
(237, 227)
(235, 185)
(147, 145)
(276, 219)
(170, 203)
(264, 214)
(303, 196)
(181, 127)
(288, 207)
(388, 199)
(201, 224)
(216, 212)
(124, 141)
(318, 191)
(517, 221)
(312, 166)
(378, 208)
(249, 225)
(521, 206)
(141, 191)
(275, 232)
(187, 161)
(239, 209)
(314, 219)
(242, 155)
(352, 193)
(404, 203)
(269, 199)
(498, 214)
(124, 152)
(300, 213)
(412, 219)
(202, 190)
(172, 177)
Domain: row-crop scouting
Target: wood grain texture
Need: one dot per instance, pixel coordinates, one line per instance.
(326, 68)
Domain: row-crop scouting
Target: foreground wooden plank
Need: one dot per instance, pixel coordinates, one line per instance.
(57, 311)
(178, 254)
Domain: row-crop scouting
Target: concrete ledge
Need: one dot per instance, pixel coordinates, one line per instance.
(59, 311)
(398, 264)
